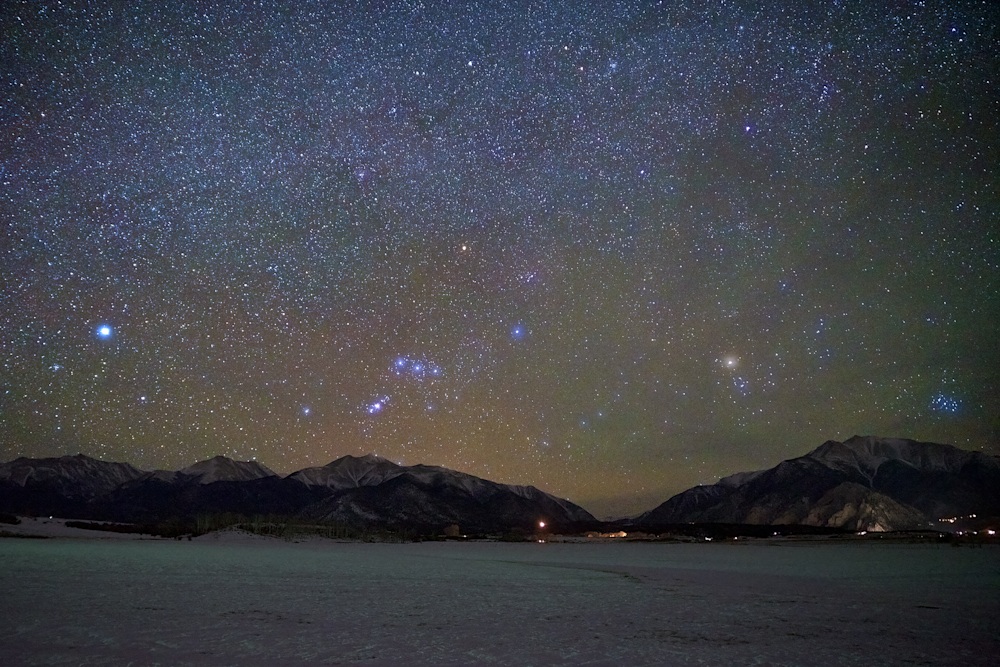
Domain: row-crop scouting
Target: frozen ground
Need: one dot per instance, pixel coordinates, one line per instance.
(55, 527)
(266, 602)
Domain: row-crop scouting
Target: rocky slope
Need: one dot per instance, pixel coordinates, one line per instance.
(864, 483)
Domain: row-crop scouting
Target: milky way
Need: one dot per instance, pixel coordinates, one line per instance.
(611, 249)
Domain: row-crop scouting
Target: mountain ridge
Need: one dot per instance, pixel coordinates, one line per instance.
(222, 468)
(358, 491)
(864, 483)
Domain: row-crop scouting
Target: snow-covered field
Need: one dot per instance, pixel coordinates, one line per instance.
(243, 601)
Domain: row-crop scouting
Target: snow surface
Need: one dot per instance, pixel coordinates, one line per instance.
(56, 527)
(228, 599)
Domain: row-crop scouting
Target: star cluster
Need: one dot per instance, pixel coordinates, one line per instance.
(611, 249)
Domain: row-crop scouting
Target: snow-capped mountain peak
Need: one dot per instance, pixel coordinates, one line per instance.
(867, 454)
(221, 468)
(75, 476)
(863, 483)
(349, 472)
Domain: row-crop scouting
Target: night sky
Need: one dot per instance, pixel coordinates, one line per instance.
(610, 249)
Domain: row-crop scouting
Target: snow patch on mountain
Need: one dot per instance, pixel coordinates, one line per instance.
(349, 472)
(78, 476)
(224, 469)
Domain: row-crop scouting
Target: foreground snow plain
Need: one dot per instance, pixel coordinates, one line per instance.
(232, 600)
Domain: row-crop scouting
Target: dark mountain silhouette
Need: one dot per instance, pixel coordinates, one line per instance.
(65, 486)
(865, 483)
(362, 492)
(425, 496)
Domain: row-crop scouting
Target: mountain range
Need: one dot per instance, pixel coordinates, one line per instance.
(362, 492)
(864, 483)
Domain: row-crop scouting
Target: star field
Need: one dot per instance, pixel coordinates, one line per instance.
(611, 249)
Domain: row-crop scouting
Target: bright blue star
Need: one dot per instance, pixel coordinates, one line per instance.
(518, 332)
(104, 331)
(377, 405)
